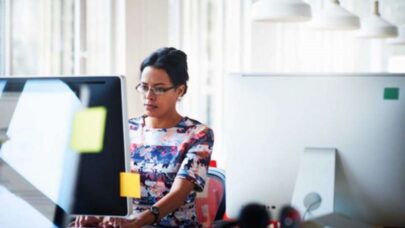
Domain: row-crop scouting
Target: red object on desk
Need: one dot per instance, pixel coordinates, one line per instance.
(274, 224)
(213, 163)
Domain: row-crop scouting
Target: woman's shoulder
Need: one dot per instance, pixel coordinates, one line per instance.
(198, 132)
(194, 125)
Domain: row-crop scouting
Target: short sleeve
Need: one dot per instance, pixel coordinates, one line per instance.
(197, 158)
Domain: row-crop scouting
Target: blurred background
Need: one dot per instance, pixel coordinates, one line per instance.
(103, 37)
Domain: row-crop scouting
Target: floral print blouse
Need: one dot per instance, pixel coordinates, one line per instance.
(160, 155)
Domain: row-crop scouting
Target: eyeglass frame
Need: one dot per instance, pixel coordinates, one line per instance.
(153, 89)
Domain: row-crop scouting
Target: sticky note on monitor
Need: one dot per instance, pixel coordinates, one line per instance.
(130, 185)
(88, 130)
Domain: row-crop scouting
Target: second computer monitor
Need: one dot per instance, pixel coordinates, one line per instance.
(272, 118)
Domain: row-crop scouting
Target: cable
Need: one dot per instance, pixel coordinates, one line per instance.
(309, 208)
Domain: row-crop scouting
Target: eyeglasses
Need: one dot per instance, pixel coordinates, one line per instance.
(143, 88)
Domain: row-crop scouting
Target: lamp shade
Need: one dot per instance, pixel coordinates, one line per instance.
(400, 40)
(374, 26)
(281, 11)
(335, 17)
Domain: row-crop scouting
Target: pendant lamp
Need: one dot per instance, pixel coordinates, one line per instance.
(281, 11)
(374, 26)
(335, 17)
(400, 40)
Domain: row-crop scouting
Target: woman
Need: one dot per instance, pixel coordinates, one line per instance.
(169, 151)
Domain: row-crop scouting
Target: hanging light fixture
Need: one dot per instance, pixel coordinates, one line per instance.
(400, 40)
(335, 17)
(281, 11)
(374, 26)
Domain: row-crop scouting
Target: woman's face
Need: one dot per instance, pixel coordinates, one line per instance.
(159, 105)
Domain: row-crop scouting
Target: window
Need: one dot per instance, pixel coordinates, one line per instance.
(199, 26)
(41, 37)
(94, 36)
(2, 36)
(57, 37)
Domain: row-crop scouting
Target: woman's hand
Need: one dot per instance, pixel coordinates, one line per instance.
(86, 221)
(105, 222)
(120, 222)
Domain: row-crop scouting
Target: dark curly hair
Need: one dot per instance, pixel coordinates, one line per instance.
(173, 61)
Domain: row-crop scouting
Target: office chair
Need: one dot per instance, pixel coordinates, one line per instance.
(210, 203)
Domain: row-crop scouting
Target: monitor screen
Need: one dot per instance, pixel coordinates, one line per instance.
(40, 173)
(272, 118)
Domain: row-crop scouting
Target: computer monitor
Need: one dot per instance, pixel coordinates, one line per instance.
(41, 176)
(271, 119)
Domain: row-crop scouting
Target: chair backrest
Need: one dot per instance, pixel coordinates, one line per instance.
(210, 203)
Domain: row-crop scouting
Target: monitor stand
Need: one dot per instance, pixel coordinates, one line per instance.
(315, 185)
(314, 190)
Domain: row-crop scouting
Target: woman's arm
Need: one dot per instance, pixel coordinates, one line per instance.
(179, 191)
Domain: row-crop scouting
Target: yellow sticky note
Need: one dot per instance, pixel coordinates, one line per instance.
(130, 185)
(88, 130)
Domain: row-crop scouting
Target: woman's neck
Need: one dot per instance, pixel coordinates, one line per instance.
(167, 122)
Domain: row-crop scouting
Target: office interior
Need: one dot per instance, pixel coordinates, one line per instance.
(223, 39)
